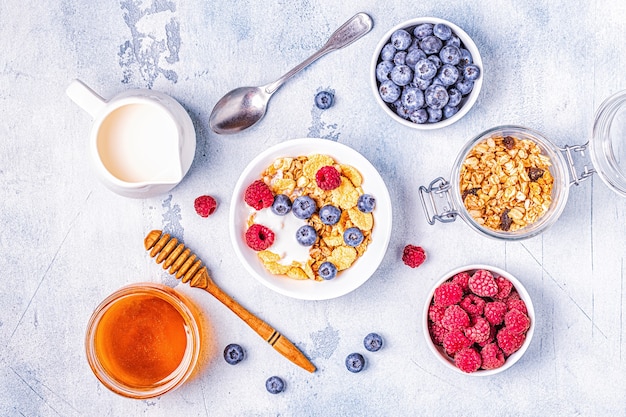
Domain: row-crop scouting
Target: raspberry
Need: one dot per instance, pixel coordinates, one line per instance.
(461, 279)
(258, 195)
(509, 342)
(205, 205)
(514, 295)
(516, 304)
(447, 294)
(494, 312)
(468, 360)
(413, 256)
(504, 288)
(480, 330)
(492, 356)
(483, 283)
(473, 304)
(259, 237)
(328, 178)
(435, 313)
(455, 318)
(454, 341)
(490, 339)
(516, 321)
(437, 333)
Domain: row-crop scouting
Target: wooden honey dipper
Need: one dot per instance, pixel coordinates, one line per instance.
(185, 266)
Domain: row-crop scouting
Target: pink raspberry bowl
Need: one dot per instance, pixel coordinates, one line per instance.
(510, 324)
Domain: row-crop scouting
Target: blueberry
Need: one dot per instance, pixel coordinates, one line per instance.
(366, 203)
(431, 45)
(355, 362)
(434, 115)
(450, 54)
(401, 39)
(423, 30)
(425, 69)
(353, 236)
(373, 342)
(448, 74)
(324, 99)
(413, 56)
(383, 69)
(303, 207)
(329, 214)
(436, 60)
(419, 116)
(389, 91)
(449, 111)
(454, 97)
(454, 40)
(306, 235)
(281, 205)
(442, 31)
(466, 57)
(464, 86)
(412, 98)
(437, 81)
(436, 96)
(471, 72)
(402, 111)
(275, 385)
(387, 53)
(420, 83)
(400, 58)
(327, 271)
(401, 75)
(233, 354)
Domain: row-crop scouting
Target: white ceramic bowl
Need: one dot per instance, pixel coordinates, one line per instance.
(439, 352)
(347, 280)
(466, 103)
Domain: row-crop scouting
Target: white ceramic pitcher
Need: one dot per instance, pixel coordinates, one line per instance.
(142, 141)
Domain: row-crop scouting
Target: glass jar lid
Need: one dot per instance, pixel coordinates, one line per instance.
(608, 142)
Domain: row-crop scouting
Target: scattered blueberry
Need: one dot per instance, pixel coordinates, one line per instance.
(281, 205)
(401, 75)
(306, 235)
(373, 342)
(329, 214)
(327, 271)
(275, 385)
(383, 69)
(431, 45)
(471, 72)
(389, 91)
(419, 116)
(324, 99)
(450, 54)
(303, 207)
(442, 31)
(436, 96)
(388, 52)
(448, 74)
(366, 203)
(425, 69)
(401, 39)
(353, 236)
(423, 30)
(233, 354)
(400, 58)
(355, 362)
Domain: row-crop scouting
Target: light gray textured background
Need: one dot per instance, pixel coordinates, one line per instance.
(66, 242)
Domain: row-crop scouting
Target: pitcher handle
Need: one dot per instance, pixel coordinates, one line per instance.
(85, 97)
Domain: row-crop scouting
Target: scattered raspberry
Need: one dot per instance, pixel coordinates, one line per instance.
(494, 312)
(455, 318)
(447, 294)
(483, 283)
(205, 205)
(258, 195)
(259, 237)
(454, 341)
(437, 333)
(492, 356)
(516, 304)
(516, 321)
(509, 342)
(435, 313)
(462, 280)
(504, 288)
(480, 330)
(328, 178)
(473, 304)
(468, 360)
(413, 256)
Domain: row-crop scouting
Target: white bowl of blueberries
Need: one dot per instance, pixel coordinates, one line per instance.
(426, 73)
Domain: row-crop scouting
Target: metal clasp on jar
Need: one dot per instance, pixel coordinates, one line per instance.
(439, 205)
(571, 154)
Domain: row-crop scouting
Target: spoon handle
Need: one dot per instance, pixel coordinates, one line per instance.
(186, 267)
(353, 29)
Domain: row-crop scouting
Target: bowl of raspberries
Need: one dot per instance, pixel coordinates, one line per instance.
(426, 73)
(478, 320)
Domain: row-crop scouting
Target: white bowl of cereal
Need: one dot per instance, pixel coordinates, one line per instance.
(478, 320)
(509, 183)
(293, 261)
